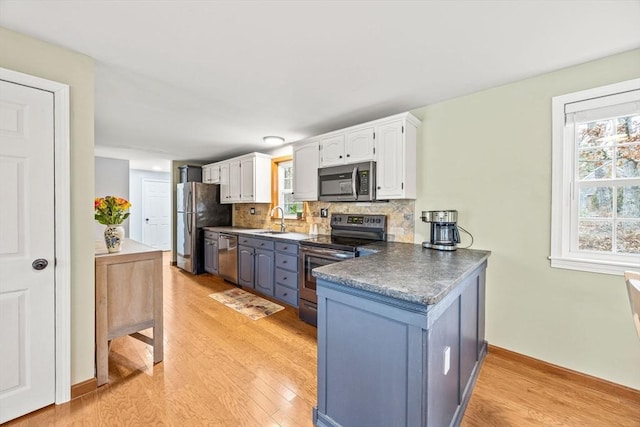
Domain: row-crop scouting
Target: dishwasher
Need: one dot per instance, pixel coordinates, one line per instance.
(228, 257)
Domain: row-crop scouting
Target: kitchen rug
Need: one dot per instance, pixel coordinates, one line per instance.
(247, 303)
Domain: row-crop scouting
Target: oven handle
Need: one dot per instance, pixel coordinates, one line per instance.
(328, 252)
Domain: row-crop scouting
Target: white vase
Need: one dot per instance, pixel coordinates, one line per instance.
(114, 237)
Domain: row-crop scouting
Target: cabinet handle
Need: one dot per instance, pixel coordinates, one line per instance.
(379, 188)
(284, 278)
(348, 155)
(284, 262)
(340, 156)
(285, 294)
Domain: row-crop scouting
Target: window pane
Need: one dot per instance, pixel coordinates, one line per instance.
(628, 129)
(595, 164)
(596, 202)
(595, 134)
(628, 237)
(628, 164)
(594, 236)
(629, 201)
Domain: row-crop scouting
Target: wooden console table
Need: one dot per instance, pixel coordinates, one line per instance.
(128, 299)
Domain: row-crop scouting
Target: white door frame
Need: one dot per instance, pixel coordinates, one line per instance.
(62, 231)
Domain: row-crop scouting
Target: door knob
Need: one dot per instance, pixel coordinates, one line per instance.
(39, 264)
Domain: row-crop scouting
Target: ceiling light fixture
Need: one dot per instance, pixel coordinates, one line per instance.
(273, 139)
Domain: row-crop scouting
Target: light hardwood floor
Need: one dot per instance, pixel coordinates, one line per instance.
(223, 369)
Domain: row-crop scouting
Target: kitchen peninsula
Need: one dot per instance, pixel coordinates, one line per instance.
(400, 336)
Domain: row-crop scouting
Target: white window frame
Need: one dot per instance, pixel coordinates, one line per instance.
(281, 191)
(564, 199)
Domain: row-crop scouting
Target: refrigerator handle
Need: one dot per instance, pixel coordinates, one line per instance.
(189, 216)
(189, 206)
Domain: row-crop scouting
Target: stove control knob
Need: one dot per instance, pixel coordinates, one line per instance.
(378, 220)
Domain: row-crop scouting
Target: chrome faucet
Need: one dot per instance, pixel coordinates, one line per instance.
(283, 226)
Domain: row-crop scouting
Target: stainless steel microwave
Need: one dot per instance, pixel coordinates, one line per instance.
(347, 183)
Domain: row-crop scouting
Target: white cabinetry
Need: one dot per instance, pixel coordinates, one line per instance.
(350, 146)
(390, 142)
(332, 150)
(396, 158)
(211, 173)
(359, 145)
(306, 159)
(246, 179)
(225, 196)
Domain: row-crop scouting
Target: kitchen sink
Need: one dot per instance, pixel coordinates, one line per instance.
(271, 232)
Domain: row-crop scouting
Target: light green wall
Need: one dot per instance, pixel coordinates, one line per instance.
(30, 56)
(488, 155)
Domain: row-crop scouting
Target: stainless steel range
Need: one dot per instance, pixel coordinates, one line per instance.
(348, 233)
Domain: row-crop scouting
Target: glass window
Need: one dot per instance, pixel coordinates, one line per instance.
(285, 190)
(596, 179)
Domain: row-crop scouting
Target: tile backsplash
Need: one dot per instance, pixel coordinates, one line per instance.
(400, 217)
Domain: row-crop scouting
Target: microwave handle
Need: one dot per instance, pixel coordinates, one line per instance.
(354, 177)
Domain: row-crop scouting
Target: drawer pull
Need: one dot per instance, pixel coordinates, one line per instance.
(284, 262)
(284, 278)
(285, 294)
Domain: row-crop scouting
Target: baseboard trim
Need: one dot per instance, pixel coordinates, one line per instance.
(568, 374)
(84, 387)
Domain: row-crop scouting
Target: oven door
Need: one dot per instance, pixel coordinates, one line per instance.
(311, 258)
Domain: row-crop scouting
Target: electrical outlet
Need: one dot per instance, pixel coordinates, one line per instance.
(324, 212)
(252, 211)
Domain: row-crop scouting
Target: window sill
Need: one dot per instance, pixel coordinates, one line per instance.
(614, 268)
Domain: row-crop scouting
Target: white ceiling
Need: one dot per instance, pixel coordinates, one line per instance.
(206, 80)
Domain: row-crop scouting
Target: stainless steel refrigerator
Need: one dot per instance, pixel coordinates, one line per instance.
(198, 206)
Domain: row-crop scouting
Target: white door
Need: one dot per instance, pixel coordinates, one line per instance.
(390, 161)
(332, 150)
(305, 171)
(247, 180)
(359, 146)
(156, 203)
(27, 311)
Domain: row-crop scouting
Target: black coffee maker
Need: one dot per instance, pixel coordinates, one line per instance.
(444, 231)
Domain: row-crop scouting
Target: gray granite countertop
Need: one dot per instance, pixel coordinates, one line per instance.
(404, 271)
(261, 233)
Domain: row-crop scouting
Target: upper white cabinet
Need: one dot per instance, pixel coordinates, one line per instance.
(211, 173)
(306, 159)
(390, 142)
(396, 158)
(359, 145)
(246, 179)
(342, 147)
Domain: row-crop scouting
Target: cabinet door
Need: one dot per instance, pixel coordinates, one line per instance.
(206, 174)
(358, 146)
(214, 174)
(208, 256)
(225, 194)
(234, 181)
(332, 151)
(306, 159)
(245, 266)
(214, 257)
(264, 271)
(390, 161)
(247, 182)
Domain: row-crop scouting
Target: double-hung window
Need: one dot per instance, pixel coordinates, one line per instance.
(284, 174)
(596, 179)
